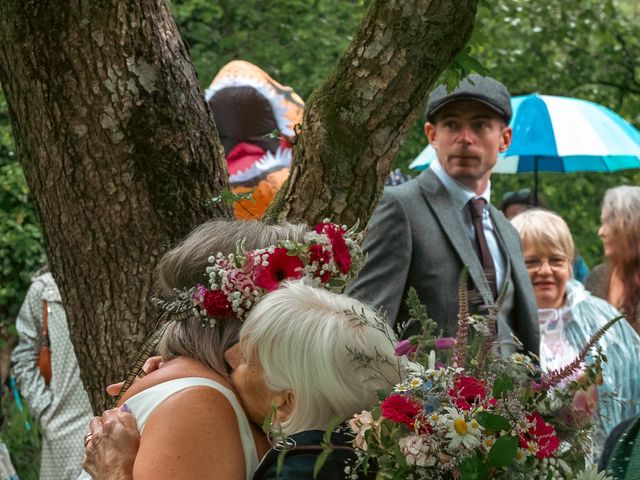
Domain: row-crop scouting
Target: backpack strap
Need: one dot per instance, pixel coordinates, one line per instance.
(45, 326)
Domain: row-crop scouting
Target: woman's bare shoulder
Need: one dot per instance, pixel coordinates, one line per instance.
(180, 367)
(182, 433)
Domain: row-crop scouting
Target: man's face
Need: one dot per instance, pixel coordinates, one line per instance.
(467, 136)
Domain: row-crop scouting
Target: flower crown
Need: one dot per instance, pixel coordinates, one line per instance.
(330, 255)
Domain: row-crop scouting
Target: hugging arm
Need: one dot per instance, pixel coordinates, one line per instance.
(193, 434)
(112, 446)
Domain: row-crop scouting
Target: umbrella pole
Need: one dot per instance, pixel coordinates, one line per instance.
(535, 181)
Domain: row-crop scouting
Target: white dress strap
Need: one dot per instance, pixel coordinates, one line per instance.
(145, 402)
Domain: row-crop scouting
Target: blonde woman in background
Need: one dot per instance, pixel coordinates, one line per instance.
(569, 315)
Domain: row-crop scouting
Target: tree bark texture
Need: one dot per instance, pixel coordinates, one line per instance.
(120, 152)
(355, 123)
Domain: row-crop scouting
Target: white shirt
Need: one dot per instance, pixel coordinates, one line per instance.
(461, 196)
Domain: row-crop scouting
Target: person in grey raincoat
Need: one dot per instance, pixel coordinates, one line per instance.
(62, 407)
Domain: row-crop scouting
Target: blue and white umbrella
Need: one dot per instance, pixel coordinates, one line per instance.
(560, 134)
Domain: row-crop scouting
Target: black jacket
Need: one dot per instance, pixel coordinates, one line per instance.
(301, 456)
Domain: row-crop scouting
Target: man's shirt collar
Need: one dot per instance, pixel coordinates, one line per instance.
(459, 192)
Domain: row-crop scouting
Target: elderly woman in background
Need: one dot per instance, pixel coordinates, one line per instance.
(618, 280)
(569, 315)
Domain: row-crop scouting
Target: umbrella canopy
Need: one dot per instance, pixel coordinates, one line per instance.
(561, 134)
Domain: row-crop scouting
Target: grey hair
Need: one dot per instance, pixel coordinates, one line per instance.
(621, 209)
(184, 266)
(621, 213)
(333, 352)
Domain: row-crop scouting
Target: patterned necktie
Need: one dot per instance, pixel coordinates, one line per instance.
(476, 206)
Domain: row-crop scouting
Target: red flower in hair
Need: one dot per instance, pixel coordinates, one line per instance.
(400, 409)
(317, 253)
(215, 303)
(281, 266)
(341, 253)
(541, 435)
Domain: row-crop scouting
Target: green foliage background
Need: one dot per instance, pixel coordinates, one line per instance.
(585, 49)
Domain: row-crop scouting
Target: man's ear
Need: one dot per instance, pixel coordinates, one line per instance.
(505, 140)
(430, 132)
(284, 402)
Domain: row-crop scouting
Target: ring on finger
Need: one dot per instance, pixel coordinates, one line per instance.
(87, 438)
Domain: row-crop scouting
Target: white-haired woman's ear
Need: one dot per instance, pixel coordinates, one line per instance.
(284, 403)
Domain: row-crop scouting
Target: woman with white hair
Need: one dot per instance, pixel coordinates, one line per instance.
(618, 280)
(569, 315)
(308, 357)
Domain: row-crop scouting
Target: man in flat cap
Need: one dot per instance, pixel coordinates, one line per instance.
(425, 231)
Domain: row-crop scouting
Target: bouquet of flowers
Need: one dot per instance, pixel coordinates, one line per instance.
(468, 411)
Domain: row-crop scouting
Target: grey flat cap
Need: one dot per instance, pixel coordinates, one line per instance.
(475, 87)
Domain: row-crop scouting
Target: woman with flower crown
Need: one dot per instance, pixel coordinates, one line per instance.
(295, 364)
(187, 409)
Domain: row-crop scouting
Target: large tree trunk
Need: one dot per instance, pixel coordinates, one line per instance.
(120, 152)
(355, 123)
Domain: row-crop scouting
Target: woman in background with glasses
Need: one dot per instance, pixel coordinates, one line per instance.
(514, 203)
(569, 315)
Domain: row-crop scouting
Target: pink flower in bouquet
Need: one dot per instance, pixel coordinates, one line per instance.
(339, 247)
(445, 343)
(405, 347)
(468, 391)
(281, 266)
(215, 303)
(585, 404)
(540, 437)
(360, 424)
(400, 409)
(319, 255)
(416, 451)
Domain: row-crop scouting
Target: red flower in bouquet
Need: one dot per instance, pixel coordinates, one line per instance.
(467, 391)
(400, 409)
(341, 253)
(281, 266)
(541, 436)
(215, 303)
(318, 254)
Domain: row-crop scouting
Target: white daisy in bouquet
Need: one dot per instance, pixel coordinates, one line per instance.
(467, 412)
